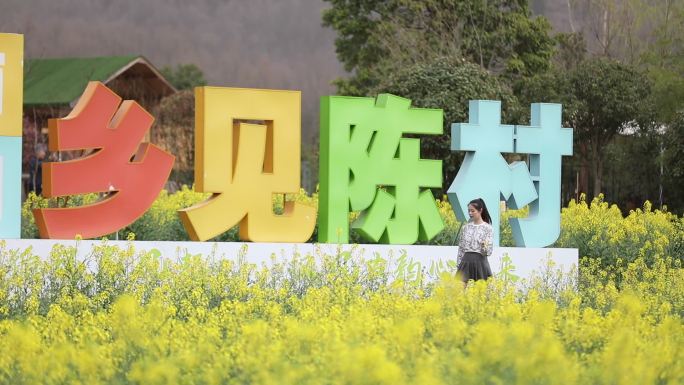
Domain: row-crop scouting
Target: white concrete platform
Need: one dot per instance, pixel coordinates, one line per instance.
(402, 260)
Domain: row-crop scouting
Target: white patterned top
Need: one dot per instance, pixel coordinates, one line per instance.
(475, 238)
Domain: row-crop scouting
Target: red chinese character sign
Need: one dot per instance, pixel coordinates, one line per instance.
(129, 172)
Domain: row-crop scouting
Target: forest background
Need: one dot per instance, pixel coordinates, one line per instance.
(615, 65)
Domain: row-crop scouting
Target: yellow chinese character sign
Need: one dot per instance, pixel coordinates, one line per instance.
(247, 148)
(11, 97)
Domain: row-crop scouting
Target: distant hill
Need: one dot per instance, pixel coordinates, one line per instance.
(254, 43)
(555, 10)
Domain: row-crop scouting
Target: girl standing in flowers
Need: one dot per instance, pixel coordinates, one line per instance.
(475, 243)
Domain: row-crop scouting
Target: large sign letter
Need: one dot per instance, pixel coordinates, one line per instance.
(485, 173)
(367, 166)
(247, 148)
(11, 98)
(130, 173)
(546, 141)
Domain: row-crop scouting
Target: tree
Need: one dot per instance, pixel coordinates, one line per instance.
(649, 35)
(184, 76)
(600, 98)
(448, 84)
(628, 30)
(175, 132)
(379, 37)
(664, 61)
(673, 161)
(632, 173)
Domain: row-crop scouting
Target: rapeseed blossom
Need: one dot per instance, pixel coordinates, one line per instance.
(122, 317)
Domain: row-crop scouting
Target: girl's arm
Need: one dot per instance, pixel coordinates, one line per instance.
(488, 241)
(460, 245)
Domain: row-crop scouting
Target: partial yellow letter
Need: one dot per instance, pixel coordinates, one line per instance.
(11, 83)
(247, 148)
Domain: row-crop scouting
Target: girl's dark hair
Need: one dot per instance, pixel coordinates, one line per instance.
(479, 204)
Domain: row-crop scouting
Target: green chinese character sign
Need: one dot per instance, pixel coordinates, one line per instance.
(366, 166)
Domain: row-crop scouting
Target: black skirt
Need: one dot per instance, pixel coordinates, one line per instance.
(474, 266)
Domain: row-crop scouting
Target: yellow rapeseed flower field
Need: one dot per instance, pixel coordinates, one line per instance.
(121, 317)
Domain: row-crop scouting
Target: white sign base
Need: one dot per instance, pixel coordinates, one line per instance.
(402, 260)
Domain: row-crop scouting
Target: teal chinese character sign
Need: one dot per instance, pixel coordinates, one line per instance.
(486, 174)
(10, 193)
(367, 166)
(546, 141)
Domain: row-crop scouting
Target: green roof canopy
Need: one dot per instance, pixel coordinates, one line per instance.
(62, 81)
